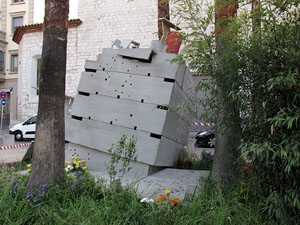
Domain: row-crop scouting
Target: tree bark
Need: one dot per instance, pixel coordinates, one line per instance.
(255, 12)
(163, 12)
(225, 169)
(49, 148)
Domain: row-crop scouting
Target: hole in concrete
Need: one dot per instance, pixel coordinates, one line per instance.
(169, 80)
(96, 92)
(131, 115)
(134, 127)
(142, 100)
(105, 79)
(77, 118)
(103, 69)
(130, 84)
(125, 81)
(123, 85)
(83, 93)
(89, 117)
(115, 90)
(91, 70)
(118, 96)
(163, 107)
(127, 70)
(158, 136)
(121, 92)
(111, 122)
(149, 74)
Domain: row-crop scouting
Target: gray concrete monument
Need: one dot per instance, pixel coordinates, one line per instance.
(136, 92)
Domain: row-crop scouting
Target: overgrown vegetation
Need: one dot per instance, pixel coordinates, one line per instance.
(193, 162)
(260, 73)
(81, 200)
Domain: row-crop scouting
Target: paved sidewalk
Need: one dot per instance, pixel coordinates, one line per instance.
(12, 156)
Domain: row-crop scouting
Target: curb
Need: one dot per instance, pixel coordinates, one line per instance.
(14, 146)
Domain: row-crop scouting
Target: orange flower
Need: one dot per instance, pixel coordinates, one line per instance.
(174, 201)
(161, 199)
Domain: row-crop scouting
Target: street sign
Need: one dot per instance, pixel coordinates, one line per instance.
(3, 102)
(3, 94)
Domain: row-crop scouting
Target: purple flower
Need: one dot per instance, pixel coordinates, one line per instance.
(15, 186)
(29, 195)
(73, 186)
(45, 188)
(80, 180)
(79, 173)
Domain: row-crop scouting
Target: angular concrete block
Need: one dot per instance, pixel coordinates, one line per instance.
(132, 92)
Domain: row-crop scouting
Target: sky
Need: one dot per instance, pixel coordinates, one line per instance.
(39, 10)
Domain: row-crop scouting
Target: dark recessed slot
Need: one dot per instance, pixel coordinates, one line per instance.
(103, 69)
(90, 70)
(108, 76)
(125, 81)
(149, 74)
(83, 93)
(123, 85)
(96, 92)
(140, 60)
(118, 96)
(130, 84)
(122, 62)
(115, 60)
(158, 136)
(134, 127)
(121, 92)
(169, 80)
(77, 118)
(89, 117)
(105, 79)
(163, 107)
(127, 70)
(115, 90)
(88, 158)
(111, 122)
(130, 76)
(142, 100)
(136, 66)
(131, 115)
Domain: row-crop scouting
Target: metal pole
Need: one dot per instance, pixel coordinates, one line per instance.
(1, 116)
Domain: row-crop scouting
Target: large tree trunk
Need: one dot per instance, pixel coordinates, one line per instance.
(163, 12)
(49, 147)
(225, 169)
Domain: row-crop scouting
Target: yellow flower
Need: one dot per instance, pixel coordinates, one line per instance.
(68, 162)
(28, 170)
(75, 158)
(77, 166)
(75, 162)
(84, 168)
(29, 165)
(243, 190)
(168, 192)
(83, 161)
(79, 161)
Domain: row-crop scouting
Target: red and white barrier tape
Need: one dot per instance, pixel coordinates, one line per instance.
(203, 124)
(14, 146)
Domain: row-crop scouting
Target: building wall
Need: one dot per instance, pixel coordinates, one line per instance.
(103, 21)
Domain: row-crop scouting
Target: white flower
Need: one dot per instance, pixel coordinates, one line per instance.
(147, 200)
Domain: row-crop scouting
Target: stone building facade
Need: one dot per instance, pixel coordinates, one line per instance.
(103, 21)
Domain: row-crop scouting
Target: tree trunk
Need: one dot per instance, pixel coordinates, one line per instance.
(163, 12)
(225, 169)
(255, 12)
(49, 148)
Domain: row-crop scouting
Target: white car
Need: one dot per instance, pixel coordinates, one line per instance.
(24, 130)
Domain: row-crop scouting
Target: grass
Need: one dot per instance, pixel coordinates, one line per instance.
(80, 200)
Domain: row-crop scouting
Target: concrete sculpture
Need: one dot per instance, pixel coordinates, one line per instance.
(133, 92)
